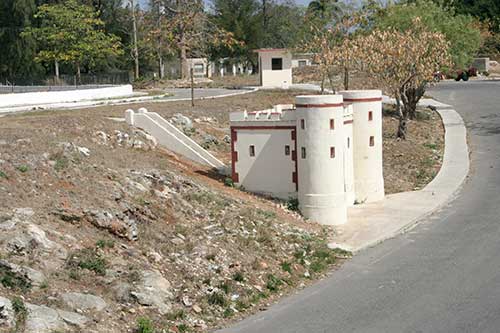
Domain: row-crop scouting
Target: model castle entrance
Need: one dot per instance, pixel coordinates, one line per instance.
(326, 150)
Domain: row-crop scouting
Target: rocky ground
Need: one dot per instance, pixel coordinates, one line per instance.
(104, 231)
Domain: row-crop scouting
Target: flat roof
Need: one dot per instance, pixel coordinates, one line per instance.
(271, 50)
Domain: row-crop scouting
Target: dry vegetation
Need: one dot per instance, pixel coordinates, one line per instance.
(96, 208)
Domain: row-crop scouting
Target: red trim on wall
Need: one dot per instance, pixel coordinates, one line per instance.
(319, 105)
(294, 158)
(262, 127)
(348, 122)
(263, 112)
(374, 99)
(234, 156)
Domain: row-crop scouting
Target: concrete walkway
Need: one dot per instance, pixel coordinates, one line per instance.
(370, 224)
(177, 94)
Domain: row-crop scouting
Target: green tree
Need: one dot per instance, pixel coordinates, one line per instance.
(485, 10)
(460, 30)
(17, 52)
(72, 33)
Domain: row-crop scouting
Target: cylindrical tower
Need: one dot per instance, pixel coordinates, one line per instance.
(367, 143)
(320, 144)
(350, 197)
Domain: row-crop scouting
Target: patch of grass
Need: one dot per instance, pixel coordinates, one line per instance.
(286, 266)
(145, 325)
(226, 287)
(242, 305)
(238, 277)
(13, 281)
(20, 313)
(23, 168)
(3, 175)
(266, 214)
(293, 204)
(255, 298)
(228, 312)
(44, 285)
(88, 259)
(183, 328)
(176, 314)
(273, 283)
(105, 243)
(61, 163)
(432, 146)
(210, 256)
(228, 182)
(74, 274)
(217, 298)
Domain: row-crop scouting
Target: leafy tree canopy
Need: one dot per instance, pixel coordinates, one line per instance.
(460, 30)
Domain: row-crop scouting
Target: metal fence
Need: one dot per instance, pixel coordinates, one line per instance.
(64, 83)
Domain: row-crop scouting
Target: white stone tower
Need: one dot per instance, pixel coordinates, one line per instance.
(320, 145)
(350, 197)
(367, 143)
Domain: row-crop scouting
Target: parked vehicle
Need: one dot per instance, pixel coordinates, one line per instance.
(465, 74)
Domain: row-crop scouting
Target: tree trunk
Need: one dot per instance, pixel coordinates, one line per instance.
(403, 120)
(56, 68)
(412, 97)
(346, 78)
(184, 62)
(136, 48)
(78, 73)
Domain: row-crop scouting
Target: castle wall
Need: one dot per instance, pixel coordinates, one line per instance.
(367, 143)
(320, 143)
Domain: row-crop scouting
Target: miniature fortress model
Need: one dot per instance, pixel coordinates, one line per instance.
(326, 150)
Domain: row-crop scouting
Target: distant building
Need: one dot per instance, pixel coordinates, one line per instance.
(326, 150)
(200, 66)
(275, 68)
(302, 60)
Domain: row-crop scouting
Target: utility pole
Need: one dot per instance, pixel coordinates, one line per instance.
(136, 48)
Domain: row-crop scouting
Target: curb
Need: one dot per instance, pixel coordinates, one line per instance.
(443, 189)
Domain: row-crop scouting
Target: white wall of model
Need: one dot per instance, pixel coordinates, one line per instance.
(326, 150)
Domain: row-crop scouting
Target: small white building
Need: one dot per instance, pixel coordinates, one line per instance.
(200, 66)
(275, 68)
(320, 150)
(302, 60)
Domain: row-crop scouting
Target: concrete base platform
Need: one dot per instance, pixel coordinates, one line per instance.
(370, 224)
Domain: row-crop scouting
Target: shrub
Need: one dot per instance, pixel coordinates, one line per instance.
(23, 168)
(217, 298)
(145, 325)
(103, 243)
(238, 276)
(293, 204)
(12, 280)
(88, 259)
(285, 266)
(20, 313)
(3, 175)
(273, 283)
(228, 182)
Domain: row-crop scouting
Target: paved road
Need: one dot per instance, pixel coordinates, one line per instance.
(443, 276)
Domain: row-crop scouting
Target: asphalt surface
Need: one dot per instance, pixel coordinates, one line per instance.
(442, 276)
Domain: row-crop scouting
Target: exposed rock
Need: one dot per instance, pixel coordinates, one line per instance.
(122, 292)
(31, 276)
(209, 139)
(154, 290)
(68, 215)
(122, 225)
(42, 319)
(6, 313)
(226, 139)
(78, 301)
(181, 120)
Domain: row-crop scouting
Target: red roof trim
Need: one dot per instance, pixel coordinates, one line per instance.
(319, 105)
(374, 99)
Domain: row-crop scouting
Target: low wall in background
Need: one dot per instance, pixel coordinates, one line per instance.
(49, 97)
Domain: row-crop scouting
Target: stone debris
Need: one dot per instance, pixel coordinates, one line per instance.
(182, 121)
(117, 223)
(42, 319)
(154, 290)
(6, 314)
(78, 301)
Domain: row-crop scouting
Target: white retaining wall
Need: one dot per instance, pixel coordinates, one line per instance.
(48, 97)
(172, 138)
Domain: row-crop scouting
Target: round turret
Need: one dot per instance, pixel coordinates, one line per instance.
(367, 143)
(320, 145)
